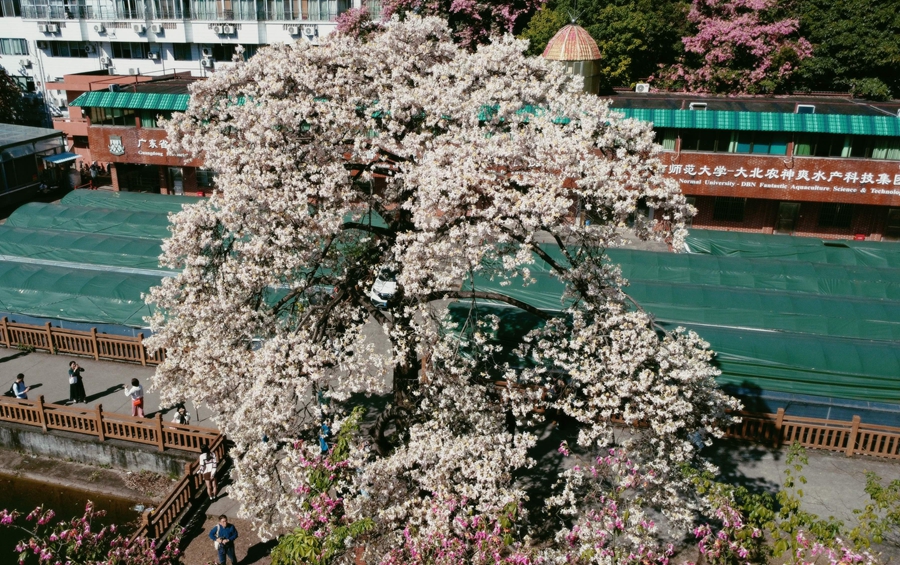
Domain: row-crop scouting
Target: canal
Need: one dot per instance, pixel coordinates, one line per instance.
(25, 495)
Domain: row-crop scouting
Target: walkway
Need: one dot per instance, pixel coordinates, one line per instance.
(47, 375)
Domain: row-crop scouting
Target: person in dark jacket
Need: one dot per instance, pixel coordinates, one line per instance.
(76, 383)
(224, 534)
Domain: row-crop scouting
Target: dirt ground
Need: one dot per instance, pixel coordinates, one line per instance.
(248, 548)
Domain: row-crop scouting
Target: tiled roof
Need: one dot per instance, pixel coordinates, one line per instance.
(572, 43)
(132, 100)
(767, 121)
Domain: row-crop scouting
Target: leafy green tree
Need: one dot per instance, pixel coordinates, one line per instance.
(634, 36)
(855, 46)
(12, 107)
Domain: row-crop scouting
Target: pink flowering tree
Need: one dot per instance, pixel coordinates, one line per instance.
(473, 21)
(80, 542)
(741, 46)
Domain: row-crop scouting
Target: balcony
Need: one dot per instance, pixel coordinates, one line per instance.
(204, 10)
(71, 126)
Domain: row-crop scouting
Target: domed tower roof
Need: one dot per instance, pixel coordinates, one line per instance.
(572, 43)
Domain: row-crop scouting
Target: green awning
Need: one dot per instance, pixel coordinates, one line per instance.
(766, 121)
(133, 100)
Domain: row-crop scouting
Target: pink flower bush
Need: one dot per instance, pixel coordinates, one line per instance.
(74, 542)
(739, 48)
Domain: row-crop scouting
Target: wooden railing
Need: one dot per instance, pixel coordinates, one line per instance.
(157, 522)
(852, 438)
(73, 342)
(106, 425)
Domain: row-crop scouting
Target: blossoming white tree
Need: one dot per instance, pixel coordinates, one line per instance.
(404, 150)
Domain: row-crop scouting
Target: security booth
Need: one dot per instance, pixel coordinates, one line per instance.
(22, 161)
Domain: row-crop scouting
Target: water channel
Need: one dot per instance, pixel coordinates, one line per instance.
(25, 495)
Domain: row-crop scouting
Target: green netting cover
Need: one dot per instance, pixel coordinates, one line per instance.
(136, 201)
(80, 295)
(788, 248)
(150, 225)
(796, 276)
(805, 364)
(80, 247)
(832, 333)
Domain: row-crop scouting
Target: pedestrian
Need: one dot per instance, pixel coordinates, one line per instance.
(181, 415)
(136, 392)
(206, 468)
(76, 384)
(19, 387)
(223, 536)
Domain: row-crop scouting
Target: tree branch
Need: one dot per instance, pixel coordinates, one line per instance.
(440, 295)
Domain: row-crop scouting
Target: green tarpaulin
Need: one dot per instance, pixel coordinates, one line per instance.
(131, 201)
(81, 295)
(788, 248)
(152, 225)
(80, 248)
(796, 327)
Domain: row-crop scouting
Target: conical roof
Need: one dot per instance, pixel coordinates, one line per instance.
(572, 43)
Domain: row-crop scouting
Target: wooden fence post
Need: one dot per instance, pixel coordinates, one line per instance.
(143, 352)
(779, 422)
(145, 521)
(159, 431)
(50, 338)
(6, 338)
(851, 440)
(100, 435)
(41, 415)
(94, 344)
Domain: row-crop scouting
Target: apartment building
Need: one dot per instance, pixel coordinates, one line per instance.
(47, 39)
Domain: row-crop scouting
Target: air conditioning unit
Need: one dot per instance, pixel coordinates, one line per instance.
(697, 105)
(206, 63)
(228, 30)
(105, 61)
(309, 30)
(206, 52)
(153, 56)
(114, 88)
(642, 88)
(219, 29)
(25, 63)
(42, 28)
(139, 28)
(293, 30)
(134, 71)
(88, 47)
(52, 28)
(100, 28)
(43, 45)
(157, 29)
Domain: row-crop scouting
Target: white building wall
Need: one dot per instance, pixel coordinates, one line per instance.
(44, 66)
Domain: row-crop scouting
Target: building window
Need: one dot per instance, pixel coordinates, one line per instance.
(13, 47)
(666, 137)
(885, 148)
(12, 8)
(150, 118)
(727, 209)
(112, 117)
(835, 215)
(130, 50)
(67, 49)
(183, 52)
(206, 178)
(701, 140)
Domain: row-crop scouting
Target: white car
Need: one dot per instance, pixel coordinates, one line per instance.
(385, 287)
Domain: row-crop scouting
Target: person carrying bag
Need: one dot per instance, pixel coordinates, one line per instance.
(206, 468)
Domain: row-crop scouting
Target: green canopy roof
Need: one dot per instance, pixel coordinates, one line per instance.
(79, 247)
(789, 326)
(766, 121)
(133, 100)
(80, 295)
(152, 225)
(133, 201)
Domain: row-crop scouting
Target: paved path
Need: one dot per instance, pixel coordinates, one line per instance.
(48, 376)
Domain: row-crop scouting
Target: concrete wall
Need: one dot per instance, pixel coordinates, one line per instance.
(87, 450)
